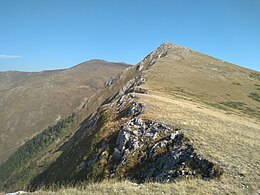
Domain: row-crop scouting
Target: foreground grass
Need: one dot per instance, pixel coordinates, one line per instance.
(191, 186)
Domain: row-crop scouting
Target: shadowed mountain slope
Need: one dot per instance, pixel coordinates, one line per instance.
(178, 115)
(29, 102)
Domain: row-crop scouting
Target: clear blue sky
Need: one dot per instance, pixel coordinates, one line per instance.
(50, 34)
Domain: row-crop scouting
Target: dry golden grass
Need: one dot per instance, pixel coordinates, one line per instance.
(179, 93)
(190, 75)
(194, 186)
(225, 140)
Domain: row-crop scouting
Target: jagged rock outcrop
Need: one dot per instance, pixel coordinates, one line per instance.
(111, 81)
(151, 59)
(146, 150)
(162, 153)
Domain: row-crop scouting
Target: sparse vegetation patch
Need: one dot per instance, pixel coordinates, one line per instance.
(254, 96)
(234, 105)
(226, 106)
(254, 75)
(236, 83)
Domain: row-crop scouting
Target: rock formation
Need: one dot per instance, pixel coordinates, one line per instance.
(147, 150)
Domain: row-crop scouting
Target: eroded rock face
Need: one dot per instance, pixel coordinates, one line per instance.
(140, 90)
(135, 109)
(130, 85)
(163, 153)
(151, 59)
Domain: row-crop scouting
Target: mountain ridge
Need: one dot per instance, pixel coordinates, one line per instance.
(158, 113)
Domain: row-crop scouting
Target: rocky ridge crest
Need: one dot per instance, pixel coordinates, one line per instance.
(146, 150)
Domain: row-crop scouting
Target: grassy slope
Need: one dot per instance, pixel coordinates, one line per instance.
(185, 91)
(29, 102)
(181, 187)
(190, 75)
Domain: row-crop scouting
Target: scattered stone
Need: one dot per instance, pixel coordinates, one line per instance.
(103, 145)
(111, 81)
(124, 99)
(163, 54)
(82, 165)
(152, 62)
(92, 161)
(117, 154)
(174, 134)
(140, 67)
(129, 86)
(123, 138)
(140, 90)
(135, 109)
(17, 193)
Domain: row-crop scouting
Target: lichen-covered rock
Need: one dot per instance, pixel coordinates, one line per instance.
(82, 165)
(140, 90)
(117, 154)
(140, 67)
(123, 100)
(135, 109)
(129, 86)
(111, 81)
(163, 153)
(123, 138)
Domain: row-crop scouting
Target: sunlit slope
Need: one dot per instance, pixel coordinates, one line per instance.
(213, 101)
(186, 74)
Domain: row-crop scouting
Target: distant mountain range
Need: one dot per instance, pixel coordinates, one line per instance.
(31, 101)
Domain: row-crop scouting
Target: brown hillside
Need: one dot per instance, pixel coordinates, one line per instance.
(29, 102)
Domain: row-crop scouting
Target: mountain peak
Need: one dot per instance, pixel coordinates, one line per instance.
(167, 44)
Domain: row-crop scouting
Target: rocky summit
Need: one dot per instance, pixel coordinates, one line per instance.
(176, 117)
